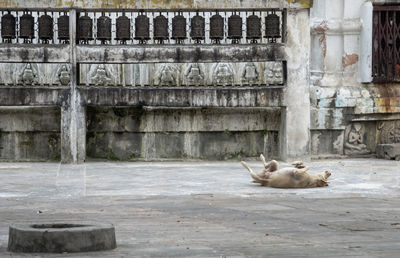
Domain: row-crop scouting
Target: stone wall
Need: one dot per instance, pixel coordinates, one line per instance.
(163, 101)
(30, 133)
(179, 133)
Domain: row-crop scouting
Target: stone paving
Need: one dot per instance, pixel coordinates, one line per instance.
(211, 209)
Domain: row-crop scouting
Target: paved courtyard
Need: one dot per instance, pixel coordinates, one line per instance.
(211, 209)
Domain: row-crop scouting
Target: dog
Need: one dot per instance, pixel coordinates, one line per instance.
(295, 177)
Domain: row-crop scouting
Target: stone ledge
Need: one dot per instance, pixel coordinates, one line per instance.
(35, 53)
(180, 53)
(33, 96)
(183, 97)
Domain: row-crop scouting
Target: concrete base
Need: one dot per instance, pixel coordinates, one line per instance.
(388, 151)
(61, 237)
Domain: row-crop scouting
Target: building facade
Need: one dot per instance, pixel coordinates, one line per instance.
(153, 80)
(354, 78)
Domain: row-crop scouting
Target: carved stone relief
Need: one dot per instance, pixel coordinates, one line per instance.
(389, 132)
(29, 74)
(101, 75)
(250, 74)
(273, 73)
(354, 143)
(194, 75)
(145, 75)
(223, 74)
(62, 75)
(167, 75)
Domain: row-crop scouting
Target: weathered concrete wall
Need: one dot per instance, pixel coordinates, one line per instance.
(30, 133)
(178, 133)
(347, 110)
(296, 129)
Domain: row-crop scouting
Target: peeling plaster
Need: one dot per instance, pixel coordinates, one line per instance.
(349, 60)
(321, 29)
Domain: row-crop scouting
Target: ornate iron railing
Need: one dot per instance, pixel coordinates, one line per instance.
(386, 44)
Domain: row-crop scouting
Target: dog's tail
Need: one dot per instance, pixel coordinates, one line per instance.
(253, 175)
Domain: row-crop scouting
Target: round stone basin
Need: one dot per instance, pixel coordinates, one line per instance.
(58, 237)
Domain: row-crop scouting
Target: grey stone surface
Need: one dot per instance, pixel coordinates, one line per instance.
(211, 209)
(30, 133)
(179, 54)
(183, 97)
(30, 53)
(59, 237)
(388, 151)
(32, 96)
(181, 133)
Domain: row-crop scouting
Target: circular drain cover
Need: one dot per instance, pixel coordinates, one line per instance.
(61, 237)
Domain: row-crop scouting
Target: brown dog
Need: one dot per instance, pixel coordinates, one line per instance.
(296, 177)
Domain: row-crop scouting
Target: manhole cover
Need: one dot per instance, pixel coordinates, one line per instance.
(61, 237)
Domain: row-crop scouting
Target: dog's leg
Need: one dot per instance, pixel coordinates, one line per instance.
(262, 158)
(253, 175)
(301, 171)
(298, 164)
(270, 166)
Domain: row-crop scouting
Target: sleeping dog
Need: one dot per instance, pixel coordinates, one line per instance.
(296, 177)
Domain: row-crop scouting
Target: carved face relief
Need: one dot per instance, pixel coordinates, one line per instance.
(223, 74)
(250, 74)
(273, 73)
(101, 76)
(167, 75)
(64, 75)
(29, 75)
(194, 75)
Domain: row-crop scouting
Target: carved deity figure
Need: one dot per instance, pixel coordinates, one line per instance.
(273, 73)
(194, 75)
(389, 132)
(101, 76)
(223, 74)
(29, 75)
(250, 74)
(63, 75)
(354, 143)
(167, 75)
